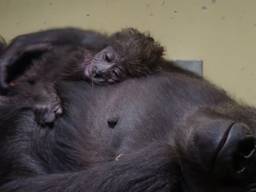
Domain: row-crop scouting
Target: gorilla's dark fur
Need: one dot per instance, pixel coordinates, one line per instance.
(40, 65)
(3, 44)
(168, 132)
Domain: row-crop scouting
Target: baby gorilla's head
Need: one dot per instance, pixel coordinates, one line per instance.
(130, 54)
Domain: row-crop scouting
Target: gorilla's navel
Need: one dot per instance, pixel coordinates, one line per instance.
(112, 122)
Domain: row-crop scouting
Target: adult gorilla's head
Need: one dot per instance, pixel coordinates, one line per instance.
(217, 152)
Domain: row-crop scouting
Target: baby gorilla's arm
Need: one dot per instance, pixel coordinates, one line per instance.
(45, 102)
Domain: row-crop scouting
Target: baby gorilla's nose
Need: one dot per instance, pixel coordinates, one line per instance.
(97, 73)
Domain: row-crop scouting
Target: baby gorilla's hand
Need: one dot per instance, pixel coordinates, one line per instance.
(47, 112)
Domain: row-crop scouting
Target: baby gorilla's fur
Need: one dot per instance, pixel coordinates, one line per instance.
(128, 53)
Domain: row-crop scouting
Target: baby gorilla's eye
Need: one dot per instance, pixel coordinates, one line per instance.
(109, 57)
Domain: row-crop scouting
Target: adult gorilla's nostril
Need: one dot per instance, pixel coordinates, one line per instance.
(244, 154)
(237, 152)
(246, 148)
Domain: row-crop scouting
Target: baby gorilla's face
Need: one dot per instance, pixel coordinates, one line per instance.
(105, 67)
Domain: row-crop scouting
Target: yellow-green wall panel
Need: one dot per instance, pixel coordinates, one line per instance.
(221, 32)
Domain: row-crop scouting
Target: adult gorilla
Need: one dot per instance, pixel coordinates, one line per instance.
(168, 132)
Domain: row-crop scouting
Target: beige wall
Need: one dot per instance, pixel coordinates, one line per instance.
(221, 32)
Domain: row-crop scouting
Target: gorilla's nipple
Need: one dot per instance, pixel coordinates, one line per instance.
(112, 122)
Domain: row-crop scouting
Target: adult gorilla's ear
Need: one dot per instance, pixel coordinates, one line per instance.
(18, 57)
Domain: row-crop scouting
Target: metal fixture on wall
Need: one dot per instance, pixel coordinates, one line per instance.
(195, 66)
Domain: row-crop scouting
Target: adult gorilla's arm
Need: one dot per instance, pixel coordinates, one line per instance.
(152, 169)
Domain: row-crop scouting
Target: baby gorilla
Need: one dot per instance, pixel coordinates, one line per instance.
(128, 53)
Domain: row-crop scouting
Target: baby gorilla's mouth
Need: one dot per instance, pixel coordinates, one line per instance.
(96, 78)
(102, 77)
(103, 80)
